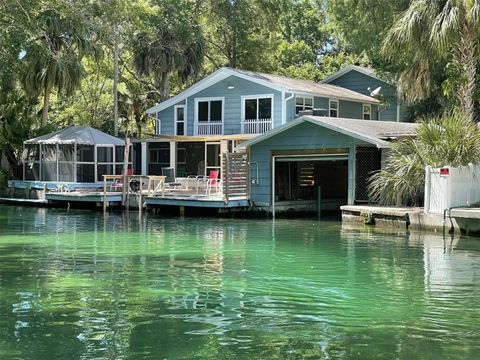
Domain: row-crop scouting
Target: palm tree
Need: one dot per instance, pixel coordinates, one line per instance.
(430, 29)
(53, 59)
(168, 49)
(450, 139)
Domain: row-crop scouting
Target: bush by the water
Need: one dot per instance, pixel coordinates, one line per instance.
(451, 139)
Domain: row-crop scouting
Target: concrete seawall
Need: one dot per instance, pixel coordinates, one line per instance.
(459, 220)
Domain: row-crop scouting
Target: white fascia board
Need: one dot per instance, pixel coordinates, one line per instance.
(211, 79)
(346, 70)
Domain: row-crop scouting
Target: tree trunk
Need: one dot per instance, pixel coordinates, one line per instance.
(46, 104)
(139, 130)
(11, 156)
(164, 86)
(467, 56)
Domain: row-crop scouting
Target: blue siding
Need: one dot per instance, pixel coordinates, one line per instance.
(356, 81)
(166, 117)
(301, 137)
(233, 102)
(348, 109)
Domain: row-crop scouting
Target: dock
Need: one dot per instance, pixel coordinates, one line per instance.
(456, 220)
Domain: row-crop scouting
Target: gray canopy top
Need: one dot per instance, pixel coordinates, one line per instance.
(84, 135)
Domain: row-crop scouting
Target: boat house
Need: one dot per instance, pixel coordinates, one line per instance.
(318, 163)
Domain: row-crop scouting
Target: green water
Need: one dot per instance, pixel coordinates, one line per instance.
(76, 285)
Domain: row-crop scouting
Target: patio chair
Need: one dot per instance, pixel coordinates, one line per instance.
(171, 182)
(118, 184)
(210, 182)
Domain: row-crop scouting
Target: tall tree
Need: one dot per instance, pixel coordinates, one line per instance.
(54, 55)
(172, 42)
(17, 114)
(241, 33)
(433, 29)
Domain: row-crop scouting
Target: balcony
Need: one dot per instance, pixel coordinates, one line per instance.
(209, 128)
(256, 126)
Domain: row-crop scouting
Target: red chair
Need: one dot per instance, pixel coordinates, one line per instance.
(210, 182)
(118, 184)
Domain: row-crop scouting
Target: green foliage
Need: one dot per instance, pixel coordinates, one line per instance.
(450, 139)
(3, 179)
(435, 36)
(55, 48)
(172, 43)
(362, 24)
(16, 119)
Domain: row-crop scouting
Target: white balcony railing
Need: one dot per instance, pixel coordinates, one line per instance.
(209, 128)
(257, 126)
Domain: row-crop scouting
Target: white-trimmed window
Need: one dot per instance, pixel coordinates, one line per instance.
(303, 103)
(333, 108)
(367, 112)
(179, 117)
(257, 113)
(209, 114)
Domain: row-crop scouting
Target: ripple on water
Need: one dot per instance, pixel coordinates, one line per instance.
(76, 285)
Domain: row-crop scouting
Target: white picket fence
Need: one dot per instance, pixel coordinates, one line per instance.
(455, 187)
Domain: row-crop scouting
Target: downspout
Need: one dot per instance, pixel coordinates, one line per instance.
(284, 112)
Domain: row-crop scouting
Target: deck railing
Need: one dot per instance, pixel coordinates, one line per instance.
(209, 128)
(257, 126)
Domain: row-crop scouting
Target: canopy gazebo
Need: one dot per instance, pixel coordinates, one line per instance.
(79, 154)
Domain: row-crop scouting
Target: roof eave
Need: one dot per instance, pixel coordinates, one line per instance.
(346, 70)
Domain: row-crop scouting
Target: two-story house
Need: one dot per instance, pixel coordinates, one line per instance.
(230, 106)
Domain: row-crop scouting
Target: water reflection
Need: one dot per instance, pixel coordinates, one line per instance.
(80, 285)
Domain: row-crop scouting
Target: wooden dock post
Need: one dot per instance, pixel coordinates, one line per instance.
(104, 194)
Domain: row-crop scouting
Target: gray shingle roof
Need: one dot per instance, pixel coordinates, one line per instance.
(382, 130)
(310, 87)
(85, 135)
(379, 133)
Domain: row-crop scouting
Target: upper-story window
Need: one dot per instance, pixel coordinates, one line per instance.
(257, 114)
(333, 108)
(367, 112)
(209, 116)
(179, 119)
(303, 103)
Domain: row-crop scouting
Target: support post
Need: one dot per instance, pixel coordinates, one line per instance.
(173, 155)
(104, 194)
(319, 201)
(144, 158)
(273, 187)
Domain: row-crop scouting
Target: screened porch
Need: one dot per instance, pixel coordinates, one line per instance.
(78, 154)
